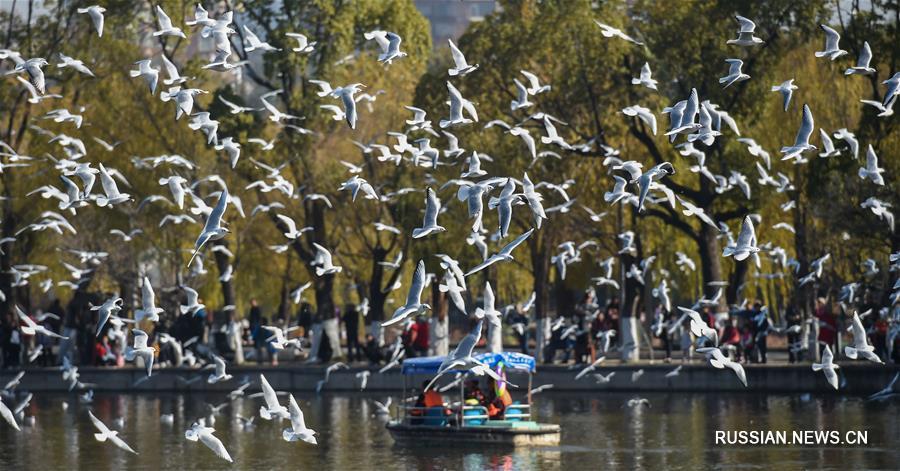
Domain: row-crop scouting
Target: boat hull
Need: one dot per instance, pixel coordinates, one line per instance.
(536, 435)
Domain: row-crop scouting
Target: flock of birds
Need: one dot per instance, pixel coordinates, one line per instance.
(698, 122)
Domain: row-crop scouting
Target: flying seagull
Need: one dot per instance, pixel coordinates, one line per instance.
(96, 14)
(104, 433)
(432, 209)
(213, 230)
(746, 242)
(460, 66)
(862, 62)
(505, 254)
(298, 429)
(414, 302)
(786, 89)
(828, 367)
(801, 143)
(745, 33)
(832, 50)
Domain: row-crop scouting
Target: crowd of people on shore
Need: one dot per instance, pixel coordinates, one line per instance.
(582, 335)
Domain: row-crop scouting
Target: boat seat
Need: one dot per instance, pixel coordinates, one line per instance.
(434, 416)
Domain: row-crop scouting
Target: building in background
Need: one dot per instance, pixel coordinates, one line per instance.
(450, 18)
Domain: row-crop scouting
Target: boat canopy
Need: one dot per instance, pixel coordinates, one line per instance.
(430, 365)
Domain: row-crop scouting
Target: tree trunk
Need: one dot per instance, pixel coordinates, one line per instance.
(711, 263)
(540, 267)
(439, 338)
(377, 297)
(628, 346)
(6, 275)
(738, 277)
(222, 263)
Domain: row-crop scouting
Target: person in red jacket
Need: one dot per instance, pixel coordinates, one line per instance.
(420, 337)
(827, 325)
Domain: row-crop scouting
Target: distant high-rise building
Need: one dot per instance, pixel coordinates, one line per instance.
(450, 18)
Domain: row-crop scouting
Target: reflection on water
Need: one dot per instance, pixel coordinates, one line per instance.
(598, 430)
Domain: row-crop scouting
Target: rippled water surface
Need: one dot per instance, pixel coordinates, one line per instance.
(598, 432)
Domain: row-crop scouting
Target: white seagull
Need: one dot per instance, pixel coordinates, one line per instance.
(832, 50)
(141, 349)
(828, 367)
(324, 265)
(786, 89)
(148, 308)
(734, 73)
(213, 230)
(505, 254)
(272, 409)
(801, 142)
(104, 434)
(96, 14)
(746, 242)
(862, 62)
(860, 347)
(165, 25)
(745, 33)
(414, 302)
(298, 429)
(872, 171)
(204, 434)
(646, 78)
(460, 66)
(429, 223)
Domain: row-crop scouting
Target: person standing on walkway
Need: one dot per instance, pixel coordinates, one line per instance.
(827, 325)
(351, 329)
(439, 334)
(760, 327)
(795, 350)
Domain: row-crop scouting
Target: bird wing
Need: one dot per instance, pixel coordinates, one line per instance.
(147, 295)
(109, 185)
(432, 207)
(747, 235)
(215, 216)
(291, 225)
(515, 243)
(140, 339)
(458, 58)
(806, 127)
(488, 297)
(827, 356)
(467, 344)
(418, 284)
(832, 38)
(97, 423)
(215, 445)
(865, 56)
(163, 19)
(8, 415)
(871, 160)
(297, 422)
(532, 79)
(746, 25)
(323, 254)
(268, 393)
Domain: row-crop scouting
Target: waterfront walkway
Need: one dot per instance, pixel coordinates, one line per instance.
(857, 378)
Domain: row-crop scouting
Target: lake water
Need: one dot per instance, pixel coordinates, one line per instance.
(598, 431)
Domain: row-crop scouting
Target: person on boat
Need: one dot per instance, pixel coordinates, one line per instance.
(474, 393)
(499, 398)
(427, 399)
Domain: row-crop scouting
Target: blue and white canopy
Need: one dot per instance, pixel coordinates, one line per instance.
(430, 365)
